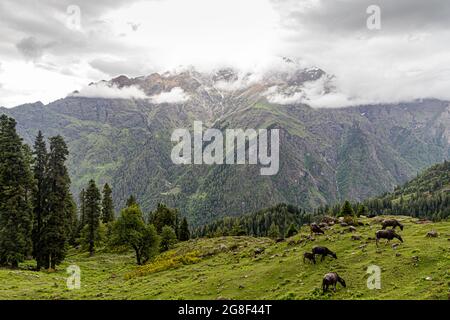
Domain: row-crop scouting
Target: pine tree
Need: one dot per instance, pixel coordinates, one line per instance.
(183, 233)
(362, 210)
(91, 230)
(274, 231)
(16, 184)
(131, 201)
(292, 231)
(39, 196)
(168, 238)
(82, 200)
(73, 223)
(347, 209)
(238, 229)
(107, 205)
(57, 210)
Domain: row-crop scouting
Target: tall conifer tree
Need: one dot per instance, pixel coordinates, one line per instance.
(92, 216)
(107, 205)
(183, 233)
(82, 198)
(58, 208)
(16, 184)
(39, 195)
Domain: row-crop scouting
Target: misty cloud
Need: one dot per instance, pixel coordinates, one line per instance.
(30, 48)
(343, 16)
(175, 95)
(407, 59)
(132, 68)
(107, 91)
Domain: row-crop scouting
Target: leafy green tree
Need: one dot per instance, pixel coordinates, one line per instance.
(40, 195)
(107, 205)
(347, 209)
(184, 233)
(91, 235)
(58, 205)
(16, 185)
(292, 231)
(163, 216)
(274, 231)
(168, 238)
(131, 230)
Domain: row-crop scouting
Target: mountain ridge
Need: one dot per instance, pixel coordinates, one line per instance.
(326, 155)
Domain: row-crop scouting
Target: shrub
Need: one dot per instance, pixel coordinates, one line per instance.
(168, 238)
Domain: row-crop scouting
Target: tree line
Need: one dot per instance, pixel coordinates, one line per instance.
(274, 222)
(284, 220)
(277, 222)
(39, 218)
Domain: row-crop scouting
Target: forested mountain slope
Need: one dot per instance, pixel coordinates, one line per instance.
(426, 196)
(326, 155)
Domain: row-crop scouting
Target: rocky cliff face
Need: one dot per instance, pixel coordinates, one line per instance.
(326, 155)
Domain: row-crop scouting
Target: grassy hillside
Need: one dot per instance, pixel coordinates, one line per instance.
(228, 267)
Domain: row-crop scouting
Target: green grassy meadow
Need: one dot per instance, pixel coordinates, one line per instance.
(232, 268)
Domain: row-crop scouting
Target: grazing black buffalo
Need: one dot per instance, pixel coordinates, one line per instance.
(315, 229)
(391, 223)
(387, 234)
(309, 256)
(331, 279)
(323, 251)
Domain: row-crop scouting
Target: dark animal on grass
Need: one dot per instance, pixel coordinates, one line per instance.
(432, 234)
(391, 223)
(387, 234)
(323, 251)
(331, 279)
(316, 229)
(309, 256)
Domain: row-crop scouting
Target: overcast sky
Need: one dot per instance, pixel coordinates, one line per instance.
(45, 54)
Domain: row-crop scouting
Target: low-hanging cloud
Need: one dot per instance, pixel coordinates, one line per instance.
(406, 59)
(107, 91)
(175, 95)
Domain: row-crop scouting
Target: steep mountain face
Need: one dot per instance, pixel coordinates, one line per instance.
(326, 155)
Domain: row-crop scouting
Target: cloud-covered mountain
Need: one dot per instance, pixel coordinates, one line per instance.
(119, 132)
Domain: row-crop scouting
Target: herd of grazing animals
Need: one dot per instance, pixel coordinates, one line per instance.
(332, 278)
